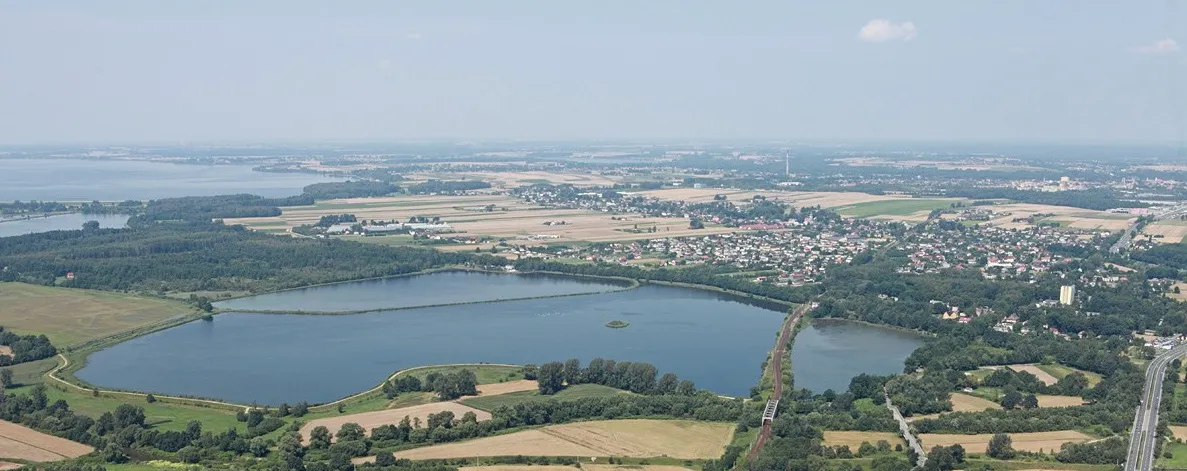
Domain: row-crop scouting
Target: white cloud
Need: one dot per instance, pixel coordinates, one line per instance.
(880, 30)
(414, 36)
(1161, 46)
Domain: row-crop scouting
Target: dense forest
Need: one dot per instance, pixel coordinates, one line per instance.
(443, 187)
(355, 189)
(206, 257)
(203, 209)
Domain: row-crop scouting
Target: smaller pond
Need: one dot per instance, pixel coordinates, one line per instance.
(58, 223)
(829, 353)
(451, 287)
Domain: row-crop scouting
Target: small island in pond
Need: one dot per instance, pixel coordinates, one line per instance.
(617, 324)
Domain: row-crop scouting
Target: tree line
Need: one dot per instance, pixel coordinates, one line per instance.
(636, 377)
(25, 347)
(211, 257)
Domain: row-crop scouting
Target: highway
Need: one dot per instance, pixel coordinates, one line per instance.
(1145, 423)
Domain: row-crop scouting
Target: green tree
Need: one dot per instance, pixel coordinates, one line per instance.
(551, 378)
(113, 454)
(1000, 447)
(6, 378)
(667, 384)
(1011, 399)
(351, 431)
(385, 459)
(319, 438)
(150, 398)
(258, 447)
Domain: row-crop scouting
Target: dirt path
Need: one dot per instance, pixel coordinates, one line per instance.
(777, 375)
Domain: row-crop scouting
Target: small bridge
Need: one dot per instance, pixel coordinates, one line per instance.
(768, 414)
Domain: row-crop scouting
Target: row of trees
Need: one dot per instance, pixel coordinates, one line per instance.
(448, 386)
(349, 189)
(25, 347)
(636, 377)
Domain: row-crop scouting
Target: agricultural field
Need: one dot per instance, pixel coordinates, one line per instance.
(370, 420)
(492, 402)
(1042, 375)
(636, 438)
(517, 179)
(902, 209)
(1065, 216)
(511, 219)
(1171, 231)
(966, 403)
(1046, 400)
(1179, 431)
(71, 316)
(1059, 371)
(855, 439)
(1181, 295)
(824, 199)
(1033, 441)
(24, 443)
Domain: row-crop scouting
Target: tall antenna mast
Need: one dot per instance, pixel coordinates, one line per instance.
(787, 162)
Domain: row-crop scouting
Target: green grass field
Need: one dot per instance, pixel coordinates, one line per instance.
(901, 207)
(160, 415)
(1059, 371)
(579, 391)
(70, 316)
(1178, 459)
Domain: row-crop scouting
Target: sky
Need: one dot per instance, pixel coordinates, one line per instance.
(152, 71)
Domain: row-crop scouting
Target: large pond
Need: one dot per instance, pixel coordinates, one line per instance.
(716, 340)
(56, 223)
(118, 180)
(420, 290)
(828, 353)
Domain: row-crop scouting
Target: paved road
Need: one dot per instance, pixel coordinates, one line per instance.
(1145, 423)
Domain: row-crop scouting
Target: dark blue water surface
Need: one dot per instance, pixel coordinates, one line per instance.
(418, 290)
(56, 223)
(712, 339)
(829, 353)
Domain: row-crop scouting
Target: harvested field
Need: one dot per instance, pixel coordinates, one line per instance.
(1043, 376)
(516, 179)
(855, 439)
(967, 403)
(1077, 218)
(1181, 295)
(1059, 401)
(27, 444)
(1179, 431)
(1171, 232)
(4, 465)
(69, 316)
(1034, 441)
(370, 420)
(512, 219)
(641, 438)
(494, 389)
(5, 350)
(825, 199)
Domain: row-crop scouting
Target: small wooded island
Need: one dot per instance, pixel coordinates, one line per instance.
(617, 324)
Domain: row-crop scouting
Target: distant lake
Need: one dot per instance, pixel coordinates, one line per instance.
(828, 353)
(57, 223)
(119, 180)
(417, 290)
(716, 340)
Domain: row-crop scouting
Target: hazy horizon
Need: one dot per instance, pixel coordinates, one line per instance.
(128, 72)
